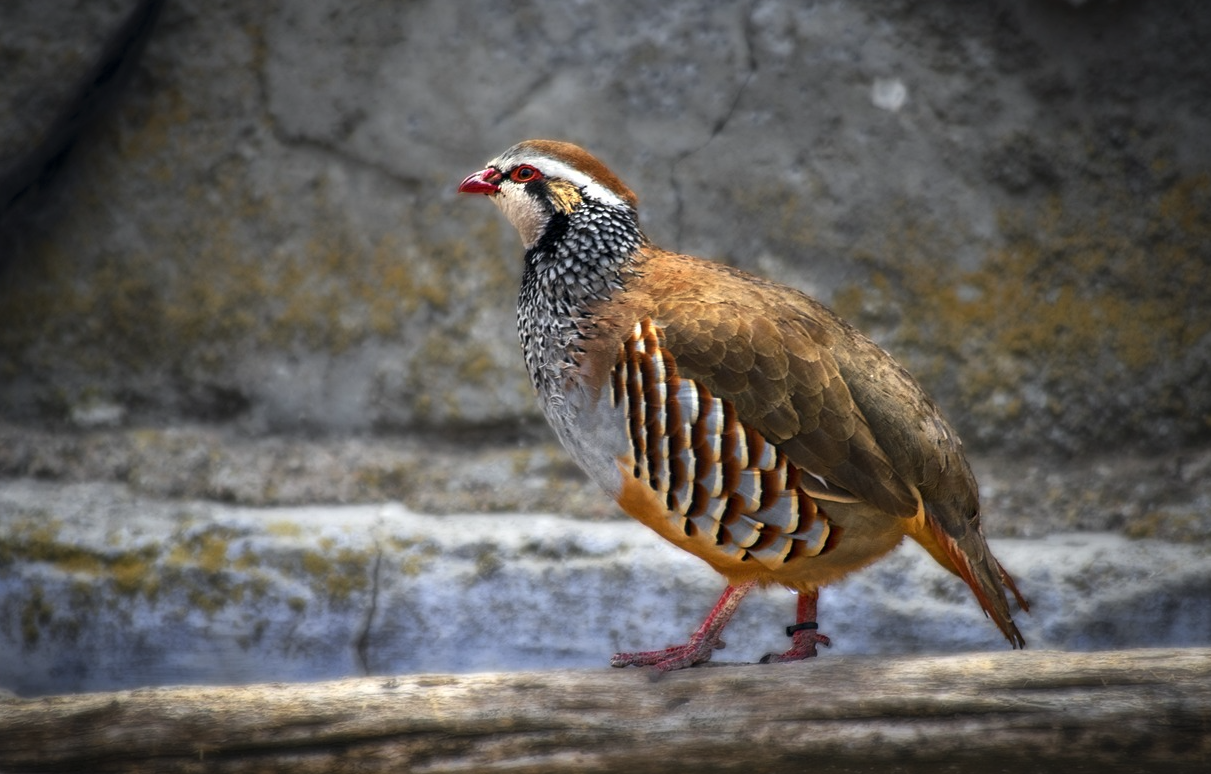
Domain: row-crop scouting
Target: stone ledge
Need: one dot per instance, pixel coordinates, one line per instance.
(522, 469)
(101, 589)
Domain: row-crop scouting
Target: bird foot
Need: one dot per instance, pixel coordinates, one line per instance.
(804, 647)
(702, 642)
(696, 651)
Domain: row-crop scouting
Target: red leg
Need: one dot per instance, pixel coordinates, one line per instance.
(701, 643)
(804, 639)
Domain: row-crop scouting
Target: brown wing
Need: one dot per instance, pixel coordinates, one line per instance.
(780, 358)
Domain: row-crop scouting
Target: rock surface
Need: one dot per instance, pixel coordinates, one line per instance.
(1012, 196)
(62, 62)
(248, 332)
(100, 589)
(1155, 496)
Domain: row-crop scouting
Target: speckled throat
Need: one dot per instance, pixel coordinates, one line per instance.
(581, 258)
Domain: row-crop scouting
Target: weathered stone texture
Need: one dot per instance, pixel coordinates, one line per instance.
(101, 589)
(1012, 197)
(249, 290)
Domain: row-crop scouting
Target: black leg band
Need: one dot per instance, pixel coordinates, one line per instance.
(790, 630)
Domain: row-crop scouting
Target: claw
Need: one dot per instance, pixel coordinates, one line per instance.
(696, 651)
(702, 644)
(805, 636)
(804, 647)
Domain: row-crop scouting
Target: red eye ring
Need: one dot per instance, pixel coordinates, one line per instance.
(525, 174)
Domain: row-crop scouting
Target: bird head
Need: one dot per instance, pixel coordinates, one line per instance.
(537, 180)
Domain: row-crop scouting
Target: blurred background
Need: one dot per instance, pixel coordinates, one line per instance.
(262, 410)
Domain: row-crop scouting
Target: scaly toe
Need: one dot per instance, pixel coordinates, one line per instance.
(669, 659)
(804, 647)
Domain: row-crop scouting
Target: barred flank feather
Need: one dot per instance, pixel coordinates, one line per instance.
(717, 477)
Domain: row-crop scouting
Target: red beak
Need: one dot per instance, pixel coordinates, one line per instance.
(482, 182)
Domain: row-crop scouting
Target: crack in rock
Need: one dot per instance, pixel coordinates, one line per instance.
(362, 643)
(325, 148)
(719, 125)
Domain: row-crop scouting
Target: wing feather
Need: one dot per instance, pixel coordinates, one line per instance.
(787, 364)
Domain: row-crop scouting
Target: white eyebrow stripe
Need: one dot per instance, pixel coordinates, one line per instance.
(556, 168)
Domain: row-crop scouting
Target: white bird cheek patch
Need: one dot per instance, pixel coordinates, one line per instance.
(527, 215)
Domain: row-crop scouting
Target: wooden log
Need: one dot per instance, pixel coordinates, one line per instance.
(1141, 710)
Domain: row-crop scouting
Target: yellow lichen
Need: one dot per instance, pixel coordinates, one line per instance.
(285, 529)
(337, 574)
(206, 550)
(315, 564)
(1064, 290)
(135, 573)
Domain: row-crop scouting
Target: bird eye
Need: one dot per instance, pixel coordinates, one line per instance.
(524, 174)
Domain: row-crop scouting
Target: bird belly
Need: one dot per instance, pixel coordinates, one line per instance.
(591, 432)
(752, 546)
(807, 566)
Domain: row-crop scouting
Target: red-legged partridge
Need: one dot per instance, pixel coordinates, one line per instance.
(738, 418)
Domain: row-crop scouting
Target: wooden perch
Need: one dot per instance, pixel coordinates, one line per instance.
(1139, 710)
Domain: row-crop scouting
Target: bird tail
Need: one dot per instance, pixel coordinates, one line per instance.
(969, 557)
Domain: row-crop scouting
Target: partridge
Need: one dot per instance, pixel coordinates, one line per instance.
(740, 419)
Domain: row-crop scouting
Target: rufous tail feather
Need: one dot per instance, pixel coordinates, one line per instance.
(970, 558)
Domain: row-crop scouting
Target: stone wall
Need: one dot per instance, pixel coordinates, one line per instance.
(262, 228)
(248, 331)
